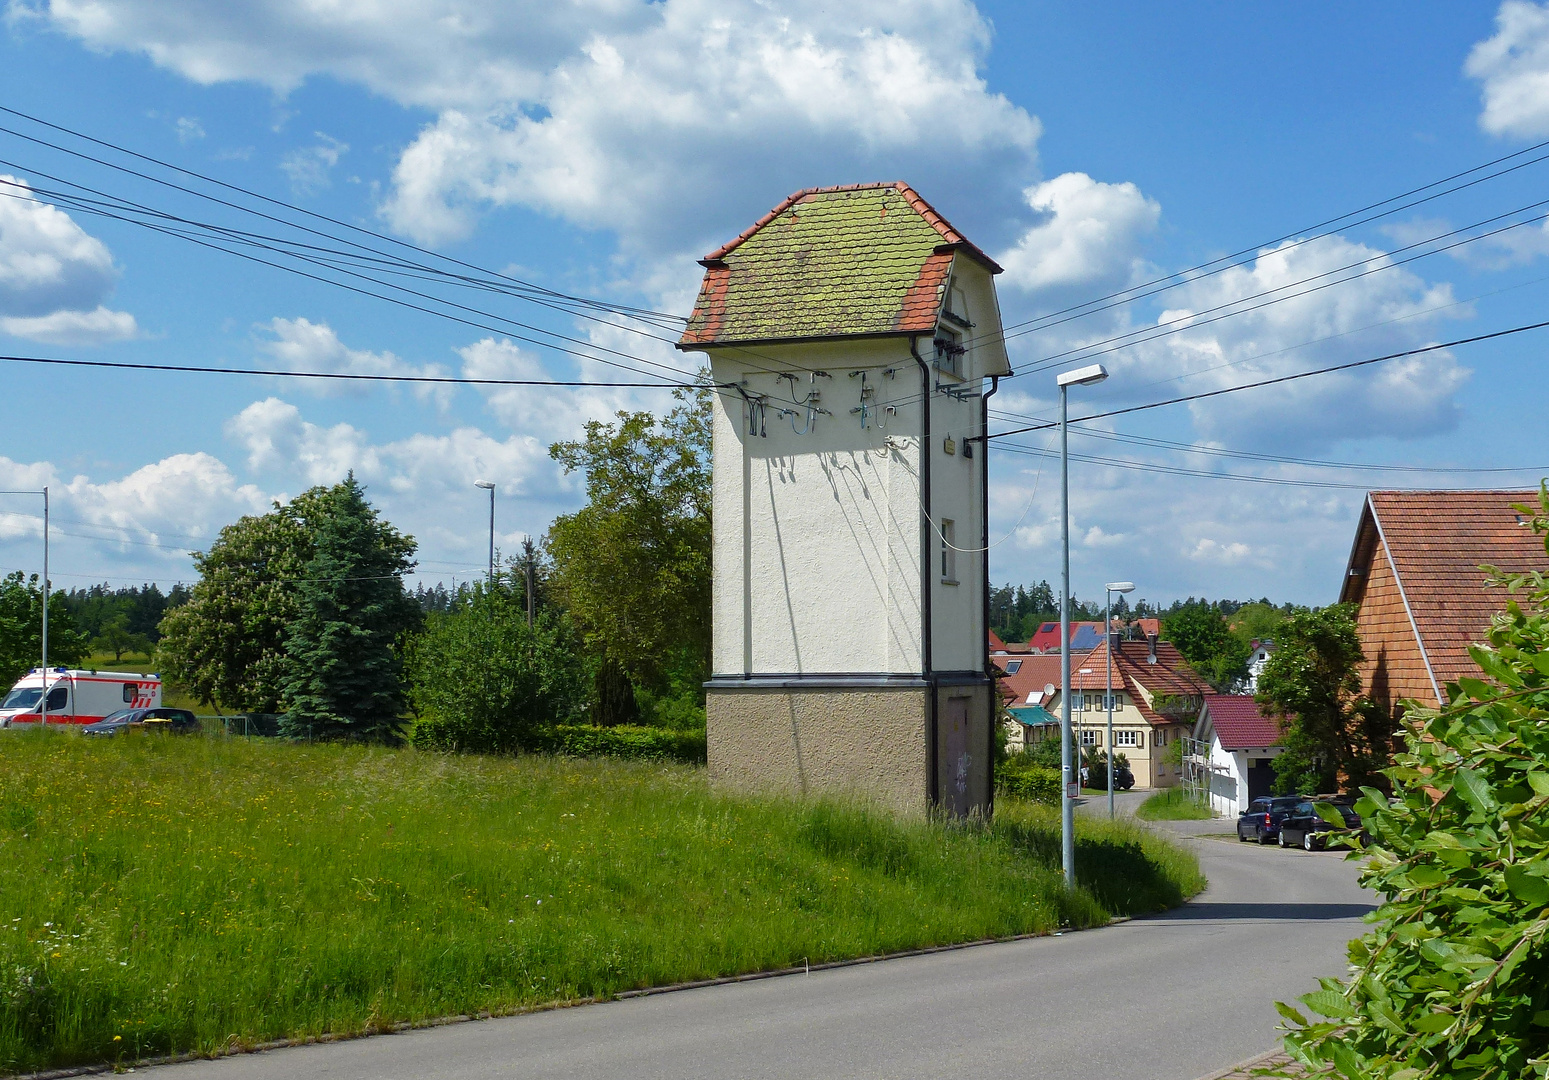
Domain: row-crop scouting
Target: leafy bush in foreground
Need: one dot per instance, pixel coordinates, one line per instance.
(1454, 980)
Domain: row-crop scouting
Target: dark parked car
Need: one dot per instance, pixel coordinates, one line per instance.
(1306, 827)
(180, 721)
(1261, 821)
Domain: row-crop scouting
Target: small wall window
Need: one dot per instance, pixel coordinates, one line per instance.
(1126, 738)
(948, 551)
(949, 352)
(1088, 736)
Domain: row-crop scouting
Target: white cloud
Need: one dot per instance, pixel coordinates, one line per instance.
(1514, 69)
(303, 345)
(189, 130)
(1360, 317)
(606, 112)
(53, 274)
(144, 522)
(96, 327)
(423, 483)
(310, 168)
(547, 413)
(1090, 236)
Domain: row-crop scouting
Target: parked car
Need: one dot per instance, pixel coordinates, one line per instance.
(178, 721)
(1261, 821)
(1306, 827)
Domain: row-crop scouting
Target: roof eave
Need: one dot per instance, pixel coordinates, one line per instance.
(801, 339)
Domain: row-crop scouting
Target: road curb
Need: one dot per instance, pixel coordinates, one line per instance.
(623, 995)
(1244, 1070)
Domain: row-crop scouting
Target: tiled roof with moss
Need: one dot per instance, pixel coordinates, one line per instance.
(860, 260)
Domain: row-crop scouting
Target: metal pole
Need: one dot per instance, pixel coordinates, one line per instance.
(527, 549)
(43, 703)
(492, 536)
(1108, 649)
(1067, 802)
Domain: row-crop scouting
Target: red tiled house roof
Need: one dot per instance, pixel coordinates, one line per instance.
(1034, 672)
(1239, 724)
(857, 260)
(1170, 676)
(996, 645)
(1414, 573)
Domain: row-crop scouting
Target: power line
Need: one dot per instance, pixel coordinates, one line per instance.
(1272, 382)
(525, 285)
(452, 380)
(1236, 258)
(1142, 335)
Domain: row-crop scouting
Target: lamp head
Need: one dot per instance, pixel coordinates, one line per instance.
(1084, 376)
(1120, 586)
(487, 485)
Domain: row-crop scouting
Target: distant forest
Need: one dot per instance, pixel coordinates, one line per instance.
(1016, 611)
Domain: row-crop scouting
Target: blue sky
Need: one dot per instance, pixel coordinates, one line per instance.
(598, 147)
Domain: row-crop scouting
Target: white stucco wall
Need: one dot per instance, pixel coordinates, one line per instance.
(818, 535)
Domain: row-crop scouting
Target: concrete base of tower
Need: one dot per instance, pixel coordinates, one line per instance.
(847, 736)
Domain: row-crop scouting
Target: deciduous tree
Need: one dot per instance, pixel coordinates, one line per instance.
(1312, 684)
(633, 565)
(21, 629)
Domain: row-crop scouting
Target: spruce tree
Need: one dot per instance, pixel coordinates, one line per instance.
(344, 677)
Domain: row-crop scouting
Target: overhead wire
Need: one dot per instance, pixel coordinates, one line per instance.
(1278, 379)
(1251, 253)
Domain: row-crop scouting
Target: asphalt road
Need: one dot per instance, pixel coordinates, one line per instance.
(1172, 997)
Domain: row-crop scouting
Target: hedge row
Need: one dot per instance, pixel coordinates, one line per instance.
(623, 741)
(1034, 783)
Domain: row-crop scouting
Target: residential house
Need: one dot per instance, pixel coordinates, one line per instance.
(1415, 576)
(1242, 748)
(1258, 656)
(1030, 689)
(850, 333)
(1157, 699)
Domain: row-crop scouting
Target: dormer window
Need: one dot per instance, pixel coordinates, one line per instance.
(956, 310)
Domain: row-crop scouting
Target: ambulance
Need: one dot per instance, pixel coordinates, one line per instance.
(78, 697)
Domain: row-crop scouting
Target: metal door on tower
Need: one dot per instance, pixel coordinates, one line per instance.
(956, 759)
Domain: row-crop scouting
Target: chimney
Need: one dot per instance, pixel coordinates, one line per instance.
(1150, 648)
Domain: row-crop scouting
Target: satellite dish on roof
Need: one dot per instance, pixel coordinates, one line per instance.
(1048, 688)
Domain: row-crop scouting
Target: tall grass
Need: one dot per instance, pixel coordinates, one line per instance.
(162, 894)
(1173, 804)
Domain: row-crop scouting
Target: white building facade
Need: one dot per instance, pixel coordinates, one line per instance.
(850, 335)
(1242, 743)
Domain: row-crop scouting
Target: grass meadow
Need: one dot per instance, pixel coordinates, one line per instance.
(1173, 804)
(163, 894)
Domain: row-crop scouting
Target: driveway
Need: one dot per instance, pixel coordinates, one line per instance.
(1171, 997)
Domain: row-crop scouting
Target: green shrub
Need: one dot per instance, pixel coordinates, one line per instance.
(481, 680)
(623, 741)
(1021, 780)
(1453, 981)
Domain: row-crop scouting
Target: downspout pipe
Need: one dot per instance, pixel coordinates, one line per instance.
(932, 782)
(984, 557)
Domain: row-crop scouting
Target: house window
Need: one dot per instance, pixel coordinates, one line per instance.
(948, 552)
(1115, 701)
(1013, 666)
(1088, 736)
(949, 352)
(1077, 701)
(1126, 738)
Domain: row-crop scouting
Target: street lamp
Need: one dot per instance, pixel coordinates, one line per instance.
(42, 701)
(489, 485)
(1086, 376)
(1112, 587)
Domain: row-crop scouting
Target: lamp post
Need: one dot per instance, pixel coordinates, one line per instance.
(1111, 588)
(1086, 376)
(489, 485)
(42, 701)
